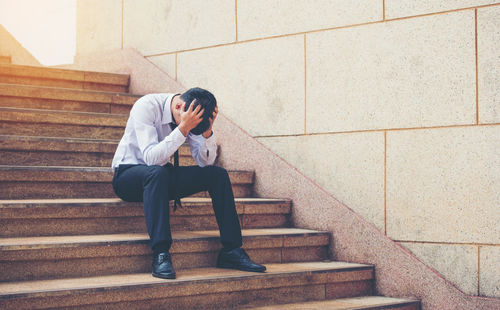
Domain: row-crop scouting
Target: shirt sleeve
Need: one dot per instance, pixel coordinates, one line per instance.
(154, 152)
(203, 150)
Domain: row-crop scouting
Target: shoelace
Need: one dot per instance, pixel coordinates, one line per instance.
(163, 257)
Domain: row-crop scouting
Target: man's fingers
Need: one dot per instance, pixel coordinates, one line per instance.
(192, 105)
(197, 110)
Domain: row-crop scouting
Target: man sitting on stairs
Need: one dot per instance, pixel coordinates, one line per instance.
(157, 126)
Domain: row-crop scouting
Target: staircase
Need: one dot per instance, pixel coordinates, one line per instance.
(66, 241)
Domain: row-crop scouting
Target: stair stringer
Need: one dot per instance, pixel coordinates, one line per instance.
(398, 272)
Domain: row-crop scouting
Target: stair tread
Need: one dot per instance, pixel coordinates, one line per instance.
(187, 200)
(11, 289)
(67, 74)
(86, 174)
(57, 139)
(34, 143)
(70, 94)
(27, 243)
(72, 168)
(355, 303)
(62, 117)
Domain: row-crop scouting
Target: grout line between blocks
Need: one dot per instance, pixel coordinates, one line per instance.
(321, 30)
(478, 270)
(378, 130)
(477, 69)
(383, 9)
(305, 85)
(236, 19)
(385, 183)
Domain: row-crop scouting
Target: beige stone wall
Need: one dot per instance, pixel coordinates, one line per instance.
(393, 106)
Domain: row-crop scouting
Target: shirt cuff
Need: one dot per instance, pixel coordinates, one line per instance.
(211, 139)
(177, 136)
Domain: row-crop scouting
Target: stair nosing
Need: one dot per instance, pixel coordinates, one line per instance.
(77, 90)
(63, 70)
(106, 174)
(97, 201)
(47, 111)
(30, 243)
(385, 302)
(223, 274)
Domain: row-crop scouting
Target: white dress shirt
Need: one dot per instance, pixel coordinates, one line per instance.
(149, 139)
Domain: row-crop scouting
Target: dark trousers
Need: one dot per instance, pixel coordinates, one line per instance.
(157, 185)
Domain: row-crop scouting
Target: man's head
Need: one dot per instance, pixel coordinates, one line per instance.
(206, 100)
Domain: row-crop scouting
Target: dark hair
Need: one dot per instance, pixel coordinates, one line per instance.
(206, 100)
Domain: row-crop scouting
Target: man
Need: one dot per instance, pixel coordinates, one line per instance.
(157, 126)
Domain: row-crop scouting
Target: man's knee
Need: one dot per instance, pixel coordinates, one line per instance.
(156, 174)
(217, 172)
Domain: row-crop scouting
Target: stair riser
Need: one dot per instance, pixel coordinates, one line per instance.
(5, 60)
(22, 92)
(63, 105)
(31, 190)
(60, 130)
(46, 219)
(57, 158)
(223, 300)
(91, 226)
(137, 259)
(63, 83)
(227, 293)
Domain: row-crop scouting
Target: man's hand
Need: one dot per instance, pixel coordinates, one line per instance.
(190, 118)
(208, 132)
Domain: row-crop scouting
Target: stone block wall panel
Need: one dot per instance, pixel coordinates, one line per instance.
(442, 185)
(404, 8)
(99, 25)
(456, 262)
(403, 74)
(166, 63)
(155, 27)
(265, 18)
(260, 84)
(488, 49)
(490, 273)
(350, 166)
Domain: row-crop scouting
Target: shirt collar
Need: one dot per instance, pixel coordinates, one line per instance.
(167, 113)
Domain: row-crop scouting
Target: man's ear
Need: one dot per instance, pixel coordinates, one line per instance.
(177, 106)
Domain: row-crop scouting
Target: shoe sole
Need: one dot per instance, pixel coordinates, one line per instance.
(164, 276)
(241, 268)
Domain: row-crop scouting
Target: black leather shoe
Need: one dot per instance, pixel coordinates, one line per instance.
(238, 259)
(162, 266)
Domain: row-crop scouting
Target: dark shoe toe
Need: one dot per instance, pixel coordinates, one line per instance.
(162, 266)
(238, 259)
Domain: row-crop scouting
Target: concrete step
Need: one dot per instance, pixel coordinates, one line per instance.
(21, 218)
(96, 255)
(26, 182)
(35, 122)
(355, 303)
(5, 59)
(53, 151)
(205, 288)
(50, 98)
(55, 77)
